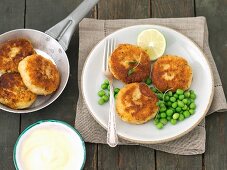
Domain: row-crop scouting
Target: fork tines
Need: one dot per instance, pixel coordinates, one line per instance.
(109, 47)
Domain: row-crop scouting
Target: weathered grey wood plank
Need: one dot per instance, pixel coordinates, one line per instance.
(124, 157)
(172, 8)
(119, 9)
(11, 17)
(216, 148)
(92, 157)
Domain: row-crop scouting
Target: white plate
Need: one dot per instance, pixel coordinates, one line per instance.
(177, 44)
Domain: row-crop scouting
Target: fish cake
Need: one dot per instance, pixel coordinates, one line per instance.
(171, 72)
(39, 74)
(13, 92)
(136, 103)
(129, 63)
(12, 52)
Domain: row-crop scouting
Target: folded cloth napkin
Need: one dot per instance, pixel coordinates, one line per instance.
(91, 31)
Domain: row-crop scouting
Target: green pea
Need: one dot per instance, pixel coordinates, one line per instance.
(168, 118)
(163, 121)
(181, 97)
(193, 96)
(173, 121)
(191, 111)
(116, 90)
(185, 101)
(162, 109)
(148, 81)
(187, 94)
(172, 99)
(106, 82)
(185, 107)
(176, 115)
(180, 91)
(169, 93)
(101, 101)
(169, 103)
(176, 96)
(160, 96)
(101, 93)
(178, 109)
(156, 121)
(163, 115)
(192, 106)
(154, 89)
(180, 103)
(181, 117)
(104, 86)
(169, 112)
(162, 105)
(159, 103)
(159, 125)
(166, 98)
(105, 98)
(174, 105)
(186, 114)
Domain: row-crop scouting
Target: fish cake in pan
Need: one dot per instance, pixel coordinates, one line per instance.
(13, 92)
(129, 63)
(12, 52)
(136, 103)
(39, 74)
(171, 72)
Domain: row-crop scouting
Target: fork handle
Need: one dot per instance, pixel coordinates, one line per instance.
(112, 138)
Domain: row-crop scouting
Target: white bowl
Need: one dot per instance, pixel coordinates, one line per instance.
(48, 128)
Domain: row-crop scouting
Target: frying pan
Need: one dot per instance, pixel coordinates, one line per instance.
(52, 44)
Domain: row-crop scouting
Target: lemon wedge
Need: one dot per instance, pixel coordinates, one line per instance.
(153, 42)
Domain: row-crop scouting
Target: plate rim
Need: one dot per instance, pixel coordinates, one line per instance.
(161, 140)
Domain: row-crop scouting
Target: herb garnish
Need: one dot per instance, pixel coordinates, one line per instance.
(132, 70)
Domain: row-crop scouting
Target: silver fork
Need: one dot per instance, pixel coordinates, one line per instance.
(112, 138)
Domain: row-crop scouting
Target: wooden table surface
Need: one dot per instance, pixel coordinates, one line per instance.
(42, 14)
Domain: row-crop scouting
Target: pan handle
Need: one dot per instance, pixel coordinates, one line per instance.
(64, 30)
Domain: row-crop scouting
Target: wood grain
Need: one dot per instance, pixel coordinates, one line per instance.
(172, 8)
(11, 17)
(120, 9)
(215, 12)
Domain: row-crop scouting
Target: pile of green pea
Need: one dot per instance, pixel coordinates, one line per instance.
(104, 92)
(174, 106)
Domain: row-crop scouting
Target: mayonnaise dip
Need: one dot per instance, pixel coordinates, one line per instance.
(50, 146)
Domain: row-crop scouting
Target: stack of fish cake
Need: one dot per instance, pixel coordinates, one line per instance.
(25, 74)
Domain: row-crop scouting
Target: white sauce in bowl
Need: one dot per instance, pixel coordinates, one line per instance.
(50, 145)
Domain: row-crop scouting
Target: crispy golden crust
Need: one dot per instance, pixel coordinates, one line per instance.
(39, 74)
(13, 92)
(136, 103)
(126, 57)
(12, 52)
(171, 72)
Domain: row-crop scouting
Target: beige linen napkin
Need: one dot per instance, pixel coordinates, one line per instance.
(91, 31)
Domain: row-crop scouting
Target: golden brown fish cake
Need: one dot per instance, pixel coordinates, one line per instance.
(39, 74)
(12, 52)
(171, 72)
(129, 63)
(136, 103)
(13, 92)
